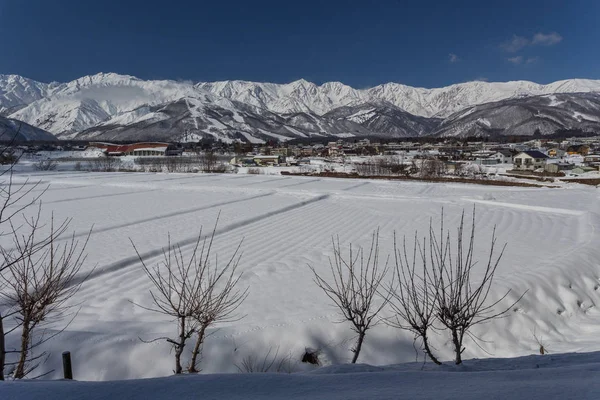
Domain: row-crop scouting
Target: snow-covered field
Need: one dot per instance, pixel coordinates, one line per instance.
(287, 224)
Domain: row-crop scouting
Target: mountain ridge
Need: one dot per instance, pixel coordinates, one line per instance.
(92, 103)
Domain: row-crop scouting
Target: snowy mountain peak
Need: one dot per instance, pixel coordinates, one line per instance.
(107, 78)
(301, 83)
(16, 92)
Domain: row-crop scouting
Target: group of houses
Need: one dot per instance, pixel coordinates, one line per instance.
(580, 154)
(534, 155)
(576, 158)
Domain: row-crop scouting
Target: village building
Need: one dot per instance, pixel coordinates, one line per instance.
(502, 156)
(529, 160)
(134, 149)
(267, 160)
(592, 160)
(556, 152)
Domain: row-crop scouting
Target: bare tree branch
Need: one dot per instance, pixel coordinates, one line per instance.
(354, 287)
(194, 292)
(413, 295)
(461, 302)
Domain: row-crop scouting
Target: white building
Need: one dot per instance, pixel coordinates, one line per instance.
(503, 156)
(529, 160)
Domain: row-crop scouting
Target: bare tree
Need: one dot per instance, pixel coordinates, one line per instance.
(461, 300)
(219, 299)
(175, 294)
(42, 277)
(194, 292)
(46, 165)
(208, 161)
(432, 168)
(14, 199)
(355, 286)
(413, 294)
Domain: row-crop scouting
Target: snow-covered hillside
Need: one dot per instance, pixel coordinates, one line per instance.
(190, 118)
(11, 129)
(384, 119)
(545, 114)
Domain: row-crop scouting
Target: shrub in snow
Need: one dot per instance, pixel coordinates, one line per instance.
(45, 165)
(311, 356)
(104, 164)
(270, 362)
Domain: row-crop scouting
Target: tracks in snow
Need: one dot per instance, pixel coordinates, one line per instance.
(267, 181)
(174, 214)
(300, 183)
(100, 196)
(130, 261)
(355, 186)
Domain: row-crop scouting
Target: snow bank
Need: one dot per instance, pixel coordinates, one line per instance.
(568, 376)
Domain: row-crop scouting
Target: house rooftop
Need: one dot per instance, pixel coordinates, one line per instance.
(505, 152)
(535, 154)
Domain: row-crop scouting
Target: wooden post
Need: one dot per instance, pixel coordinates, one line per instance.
(67, 369)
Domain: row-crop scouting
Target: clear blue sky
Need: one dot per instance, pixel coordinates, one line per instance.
(361, 43)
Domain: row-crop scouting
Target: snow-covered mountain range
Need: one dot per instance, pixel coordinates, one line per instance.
(112, 106)
(306, 96)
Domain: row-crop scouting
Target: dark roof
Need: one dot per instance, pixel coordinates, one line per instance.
(535, 154)
(505, 152)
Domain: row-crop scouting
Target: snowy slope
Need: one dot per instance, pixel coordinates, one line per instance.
(524, 116)
(298, 96)
(11, 129)
(17, 92)
(191, 118)
(385, 120)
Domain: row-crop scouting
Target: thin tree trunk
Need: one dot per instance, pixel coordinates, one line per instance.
(196, 350)
(457, 345)
(359, 342)
(428, 350)
(179, 346)
(20, 370)
(2, 349)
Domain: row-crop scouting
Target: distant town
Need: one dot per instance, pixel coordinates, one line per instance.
(575, 156)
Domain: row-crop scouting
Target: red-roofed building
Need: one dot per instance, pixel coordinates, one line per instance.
(134, 149)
